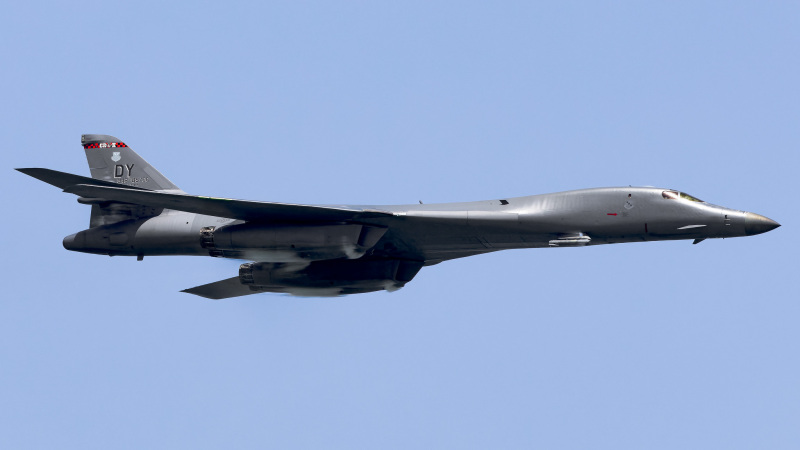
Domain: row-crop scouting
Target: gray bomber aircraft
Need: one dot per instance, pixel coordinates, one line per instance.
(312, 250)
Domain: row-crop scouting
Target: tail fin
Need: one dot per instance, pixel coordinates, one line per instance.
(111, 160)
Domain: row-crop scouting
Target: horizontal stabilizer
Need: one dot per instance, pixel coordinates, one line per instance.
(222, 207)
(227, 288)
(64, 180)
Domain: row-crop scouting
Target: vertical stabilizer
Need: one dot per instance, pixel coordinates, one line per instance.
(112, 160)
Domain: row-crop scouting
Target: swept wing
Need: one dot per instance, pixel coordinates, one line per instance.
(223, 207)
(64, 180)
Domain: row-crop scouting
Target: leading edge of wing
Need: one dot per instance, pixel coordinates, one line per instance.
(222, 207)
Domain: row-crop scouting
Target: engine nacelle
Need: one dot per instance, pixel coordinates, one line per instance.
(285, 243)
(333, 277)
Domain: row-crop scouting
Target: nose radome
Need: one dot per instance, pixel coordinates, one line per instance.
(757, 224)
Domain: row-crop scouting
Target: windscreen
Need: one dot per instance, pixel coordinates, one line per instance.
(674, 195)
(686, 196)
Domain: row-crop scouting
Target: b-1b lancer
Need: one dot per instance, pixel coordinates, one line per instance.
(312, 250)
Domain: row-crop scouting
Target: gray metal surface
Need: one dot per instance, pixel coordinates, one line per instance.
(318, 250)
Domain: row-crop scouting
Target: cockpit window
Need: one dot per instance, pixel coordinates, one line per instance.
(670, 195)
(686, 196)
(674, 195)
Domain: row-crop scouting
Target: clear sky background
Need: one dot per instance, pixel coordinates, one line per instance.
(658, 345)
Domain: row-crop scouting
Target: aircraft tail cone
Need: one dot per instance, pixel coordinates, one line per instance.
(69, 242)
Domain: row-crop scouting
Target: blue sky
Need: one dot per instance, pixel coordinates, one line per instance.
(658, 345)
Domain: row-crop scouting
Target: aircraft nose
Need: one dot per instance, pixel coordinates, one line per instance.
(757, 224)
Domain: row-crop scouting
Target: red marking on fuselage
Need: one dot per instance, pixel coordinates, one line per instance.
(612, 214)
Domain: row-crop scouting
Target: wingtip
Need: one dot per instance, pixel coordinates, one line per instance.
(189, 291)
(35, 172)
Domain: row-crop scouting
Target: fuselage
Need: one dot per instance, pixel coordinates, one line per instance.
(348, 249)
(435, 232)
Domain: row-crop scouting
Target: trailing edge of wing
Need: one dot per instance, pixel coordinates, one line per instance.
(221, 207)
(64, 180)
